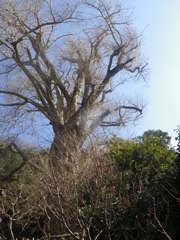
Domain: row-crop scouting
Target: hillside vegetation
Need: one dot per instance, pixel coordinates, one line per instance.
(129, 189)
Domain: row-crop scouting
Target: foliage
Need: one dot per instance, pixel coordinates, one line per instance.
(125, 191)
(20, 212)
(155, 135)
(178, 139)
(148, 155)
(140, 169)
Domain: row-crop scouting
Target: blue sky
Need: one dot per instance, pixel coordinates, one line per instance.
(160, 23)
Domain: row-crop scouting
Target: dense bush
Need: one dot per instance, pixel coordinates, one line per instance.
(20, 214)
(146, 166)
(129, 190)
(139, 173)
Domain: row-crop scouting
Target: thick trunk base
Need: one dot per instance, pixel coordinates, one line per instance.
(66, 146)
(64, 153)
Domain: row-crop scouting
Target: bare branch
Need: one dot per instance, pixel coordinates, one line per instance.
(13, 104)
(160, 227)
(100, 120)
(26, 99)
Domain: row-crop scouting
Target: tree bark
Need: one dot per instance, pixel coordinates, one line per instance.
(65, 150)
(66, 146)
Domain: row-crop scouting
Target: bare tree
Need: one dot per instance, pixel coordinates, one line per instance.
(63, 59)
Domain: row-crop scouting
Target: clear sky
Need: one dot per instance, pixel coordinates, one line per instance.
(159, 20)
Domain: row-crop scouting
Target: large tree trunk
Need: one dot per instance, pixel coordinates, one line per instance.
(64, 152)
(67, 144)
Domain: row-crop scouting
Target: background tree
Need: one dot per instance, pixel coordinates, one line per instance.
(148, 155)
(62, 60)
(155, 136)
(147, 179)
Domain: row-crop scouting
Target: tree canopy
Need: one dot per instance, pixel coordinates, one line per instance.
(63, 60)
